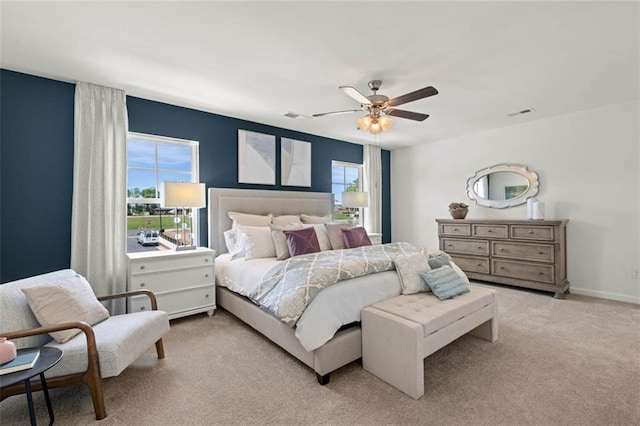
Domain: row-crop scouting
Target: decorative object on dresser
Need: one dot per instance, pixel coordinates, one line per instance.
(182, 281)
(183, 195)
(522, 253)
(458, 210)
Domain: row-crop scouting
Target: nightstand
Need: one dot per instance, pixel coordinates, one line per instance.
(183, 281)
(375, 238)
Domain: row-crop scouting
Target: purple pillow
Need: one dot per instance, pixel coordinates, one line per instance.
(302, 241)
(355, 237)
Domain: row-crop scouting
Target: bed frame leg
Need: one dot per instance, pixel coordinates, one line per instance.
(323, 380)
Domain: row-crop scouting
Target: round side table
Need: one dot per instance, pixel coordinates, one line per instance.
(47, 359)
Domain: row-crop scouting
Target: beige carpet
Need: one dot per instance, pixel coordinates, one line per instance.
(571, 362)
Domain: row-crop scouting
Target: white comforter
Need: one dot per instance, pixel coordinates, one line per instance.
(335, 306)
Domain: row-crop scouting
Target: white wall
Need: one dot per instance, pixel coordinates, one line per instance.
(588, 163)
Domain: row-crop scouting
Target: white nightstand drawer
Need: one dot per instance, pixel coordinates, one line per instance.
(196, 299)
(167, 263)
(173, 280)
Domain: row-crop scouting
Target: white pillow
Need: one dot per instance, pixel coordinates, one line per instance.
(70, 300)
(323, 236)
(315, 219)
(285, 220)
(410, 268)
(245, 219)
(234, 243)
(257, 242)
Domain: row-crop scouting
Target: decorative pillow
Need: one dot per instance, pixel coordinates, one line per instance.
(445, 282)
(322, 234)
(409, 267)
(65, 301)
(315, 219)
(233, 240)
(355, 237)
(280, 240)
(302, 241)
(335, 234)
(438, 261)
(245, 219)
(285, 220)
(435, 253)
(257, 242)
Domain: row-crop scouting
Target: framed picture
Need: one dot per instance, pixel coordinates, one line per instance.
(295, 162)
(256, 158)
(514, 191)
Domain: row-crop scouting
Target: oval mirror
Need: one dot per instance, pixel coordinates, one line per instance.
(502, 185)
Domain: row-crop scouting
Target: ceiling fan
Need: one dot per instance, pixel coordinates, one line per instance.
(379, 108)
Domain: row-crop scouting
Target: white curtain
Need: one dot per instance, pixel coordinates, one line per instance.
(98, 221)
(373, 185)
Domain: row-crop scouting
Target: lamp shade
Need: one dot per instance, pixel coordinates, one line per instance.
(182, 194)
(355, 199)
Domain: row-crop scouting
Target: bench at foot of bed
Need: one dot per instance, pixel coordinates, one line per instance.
(398, 333)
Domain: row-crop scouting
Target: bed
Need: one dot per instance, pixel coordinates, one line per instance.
(340, 348)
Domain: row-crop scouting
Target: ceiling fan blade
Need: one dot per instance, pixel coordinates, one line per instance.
(416, 116)
(355, 94)
(413, 96)
(336, 112)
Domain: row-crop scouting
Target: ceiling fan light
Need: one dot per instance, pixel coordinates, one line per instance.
(364, 122)
(376, 128)
(386, 122)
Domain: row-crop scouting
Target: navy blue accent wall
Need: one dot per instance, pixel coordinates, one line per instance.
(36, 174)
(36, 165)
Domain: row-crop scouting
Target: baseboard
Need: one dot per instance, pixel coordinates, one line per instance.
(606, 295)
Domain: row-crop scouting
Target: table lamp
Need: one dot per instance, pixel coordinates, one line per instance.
(182, 195)
(355, 199)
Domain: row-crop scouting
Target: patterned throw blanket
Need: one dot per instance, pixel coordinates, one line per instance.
(289, 287)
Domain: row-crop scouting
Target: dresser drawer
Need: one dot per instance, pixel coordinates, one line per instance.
(172, 280)
(539, 252)
(477, 247)
(524, 232)
(524, 271)
(461, 230)
(491, 231)
(472, 264)
(178, 301)
(166, 263)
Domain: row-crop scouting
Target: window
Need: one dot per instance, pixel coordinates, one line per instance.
(152, 160)
(344, 177)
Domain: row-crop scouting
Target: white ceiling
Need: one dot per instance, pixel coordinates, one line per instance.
(256, 61)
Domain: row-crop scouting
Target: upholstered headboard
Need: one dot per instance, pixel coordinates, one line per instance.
(258, 201)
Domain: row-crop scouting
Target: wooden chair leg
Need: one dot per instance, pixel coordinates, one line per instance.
(160, 349)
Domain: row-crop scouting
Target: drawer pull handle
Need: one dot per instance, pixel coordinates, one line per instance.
(540, 273)
(502, 267)
(540, 252)
(206, 275)
(480, 247)
(142, 308)
(530, 232)
(479, 264)
(142, 284)
(206, 295)
(455, 229)
(206, 259)
(501, 248)
(142, 267)
(489, 230)
(449, 245)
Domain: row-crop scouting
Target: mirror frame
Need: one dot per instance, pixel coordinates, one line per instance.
(530, 175)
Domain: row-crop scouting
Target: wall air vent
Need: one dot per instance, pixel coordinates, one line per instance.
(295, 115)
(524, 111)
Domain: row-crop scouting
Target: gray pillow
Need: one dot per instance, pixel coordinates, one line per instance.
(439, 260)
(445, 283)
(410, 267)
(335, 234)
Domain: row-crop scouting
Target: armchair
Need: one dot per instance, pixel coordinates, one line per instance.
(98, 352)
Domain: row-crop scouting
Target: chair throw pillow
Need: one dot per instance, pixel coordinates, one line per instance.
(70, 300)
(335, 234)
(445, 282)
(355, 237)
(302, 241)
(409, 267)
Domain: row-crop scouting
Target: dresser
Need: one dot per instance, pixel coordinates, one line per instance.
(183, 281)
(524, 253)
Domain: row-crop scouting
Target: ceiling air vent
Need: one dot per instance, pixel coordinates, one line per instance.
(296, 115)
(524, 111)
